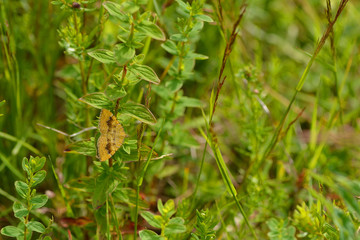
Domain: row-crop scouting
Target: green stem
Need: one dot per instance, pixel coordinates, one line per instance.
(113, 211)
(141, 178)
(107, 218)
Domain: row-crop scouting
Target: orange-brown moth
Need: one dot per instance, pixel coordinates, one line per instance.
(112, 135)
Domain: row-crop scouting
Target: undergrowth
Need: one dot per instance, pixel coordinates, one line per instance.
(241, 119)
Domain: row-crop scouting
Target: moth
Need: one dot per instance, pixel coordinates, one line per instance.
(112, 135)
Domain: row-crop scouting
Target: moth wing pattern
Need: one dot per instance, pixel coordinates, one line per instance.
(112, 135)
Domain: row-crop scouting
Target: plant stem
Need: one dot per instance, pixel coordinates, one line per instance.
(141, 178)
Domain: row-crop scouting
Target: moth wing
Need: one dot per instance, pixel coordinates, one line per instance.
(119, 135)
(103, 153)
(105, 116)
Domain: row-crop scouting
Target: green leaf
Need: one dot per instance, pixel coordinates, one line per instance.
(19, 210)
(138, 111)
(144, 72)
(86, 148)
(38, 201)
(105, 183)
(170, 47)
(169, 209)
(173, 85)
(279, 230)
(37, 163)
(123, 53)
(97, 100)
(196, 56)
(36, 227)
(114, 10)
(160, 207)
(152, 219)
(114, 92)
(190, 102)
(39, 177)
(103, 55)
(151, 30)
(130, 7)
(12, 231)
(183, 5)
(47, 238)
(21, 188)
(56, 2)
(149, 235)
(203, 17)
(174, 226)
(26, 166)
(178, 37)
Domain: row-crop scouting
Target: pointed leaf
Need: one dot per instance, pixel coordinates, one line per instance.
(86, 148)
(203, 17)
(114, 10)
(103, 55)
(183, 5)
(144, 72)
(151, 30)
(97, 100)
(196, 56)
(139, 112)
(178, 37)
(170, 47)
(152, 219)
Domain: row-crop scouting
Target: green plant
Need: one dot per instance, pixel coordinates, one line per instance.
(279, 229)
(313, 223)
(205, 224)
(169, 225)
(33, 201)
(245, 113)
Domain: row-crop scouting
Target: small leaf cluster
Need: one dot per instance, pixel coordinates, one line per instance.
(72, 39)
(33, 201)
(169, 225)
(280, 230)
(205, 224)
(313, 222)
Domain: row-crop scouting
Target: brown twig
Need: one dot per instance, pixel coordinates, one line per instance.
(228, 49)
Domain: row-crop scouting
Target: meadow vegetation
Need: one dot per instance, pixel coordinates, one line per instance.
(241, 119)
